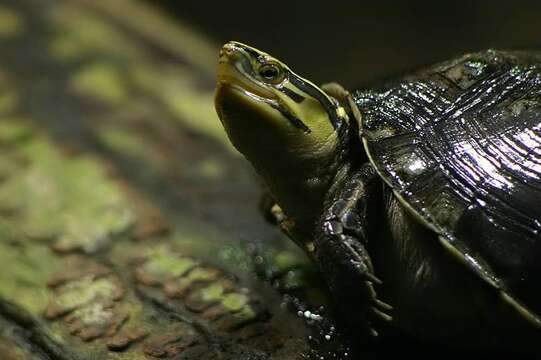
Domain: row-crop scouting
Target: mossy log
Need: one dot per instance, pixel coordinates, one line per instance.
(128, 225)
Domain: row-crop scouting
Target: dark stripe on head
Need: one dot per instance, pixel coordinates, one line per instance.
(251, 52)
(298, 98)
(295, 121)
(329, 106)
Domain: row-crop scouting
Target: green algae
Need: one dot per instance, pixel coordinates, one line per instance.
(26, 271)
(246, 313)
(125, 141)
(52, 197)
(237, 256)
(9, 100)
(163, 264)
(14, 130)
(80, 34)
(212, 292)
(82, 291)
(288, 259)
(201, 274)
(178, 92)
(11, 23)
(234, 301)
(94, 314)
(66, 198)
(127, 355)
(209, 168)
(100, 81)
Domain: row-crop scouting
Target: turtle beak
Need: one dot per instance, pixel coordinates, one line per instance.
(228, 50)
(236, 69)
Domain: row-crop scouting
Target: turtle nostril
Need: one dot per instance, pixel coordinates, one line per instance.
(227, 51)
(229, 48)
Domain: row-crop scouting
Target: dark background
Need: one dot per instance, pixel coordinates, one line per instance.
(357, 42)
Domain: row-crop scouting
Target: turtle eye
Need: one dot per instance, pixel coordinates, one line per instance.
(271, 73)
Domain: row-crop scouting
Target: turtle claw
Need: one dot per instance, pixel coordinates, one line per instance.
(378, 310)
(371, 277)
(381, 315)
(372, 332)
(377, 315)
(383, 305)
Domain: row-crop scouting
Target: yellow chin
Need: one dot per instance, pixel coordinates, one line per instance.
(237, 107)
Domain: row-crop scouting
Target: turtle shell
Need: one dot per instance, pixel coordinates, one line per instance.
(460, 145)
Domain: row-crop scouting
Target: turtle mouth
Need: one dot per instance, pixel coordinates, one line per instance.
(234, 69)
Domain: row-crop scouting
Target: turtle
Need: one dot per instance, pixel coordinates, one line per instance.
(419, 199)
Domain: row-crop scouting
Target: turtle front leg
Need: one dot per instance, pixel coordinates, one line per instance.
(339, 249)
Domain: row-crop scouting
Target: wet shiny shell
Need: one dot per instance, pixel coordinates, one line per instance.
(460, 144)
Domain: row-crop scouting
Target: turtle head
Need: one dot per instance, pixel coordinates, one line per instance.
(262, 103)
(286, 126)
